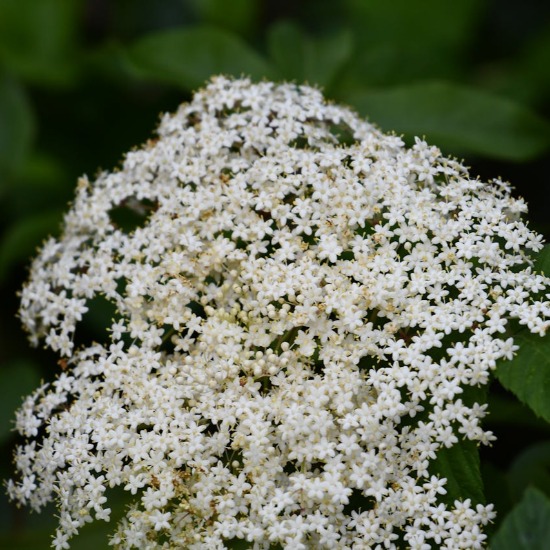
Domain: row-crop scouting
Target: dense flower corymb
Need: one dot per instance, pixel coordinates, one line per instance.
(302, 306)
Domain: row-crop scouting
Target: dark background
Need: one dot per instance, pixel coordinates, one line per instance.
(81, 82)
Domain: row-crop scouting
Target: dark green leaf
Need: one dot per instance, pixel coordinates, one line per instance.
(527, 526)
(188, 57)
(21, 377)
(535, 65)
(305, 59)
(38, 39)
(531, 467)
(402, 41)
(542, 261)
(496, 485)
(21, 239)
(461, 466)
(527, 375)
(41, 184)
(457, 118)
(527, 77)
(422, 24)
(237, 16)
(388, 64)
(507, 410)
(16, 127)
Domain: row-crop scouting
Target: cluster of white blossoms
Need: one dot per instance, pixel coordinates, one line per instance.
(302, 304)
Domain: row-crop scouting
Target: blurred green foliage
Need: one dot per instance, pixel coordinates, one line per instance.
(528, 526)
(83, 81)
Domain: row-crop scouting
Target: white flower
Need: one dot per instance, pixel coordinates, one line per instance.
(296, 321)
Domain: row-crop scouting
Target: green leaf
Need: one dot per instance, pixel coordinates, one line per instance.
(398, 40)
(22, 238)
(496, 485)
(188, 57)
(461, 466)
(237, 16)
(527, 375)
(387, 64)
(305, 59)
(542, 261)
(16, 127)
(531, 467)
(17, 380)
(526, 78)
(38, 39)
(457, 118)
(42, 184)
(424, 23)
(505, 410)
(527, 526)
(535, 64)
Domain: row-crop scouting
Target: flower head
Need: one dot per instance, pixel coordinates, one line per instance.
(302, 305)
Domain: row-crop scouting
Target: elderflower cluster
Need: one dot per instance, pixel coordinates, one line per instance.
(303, 308)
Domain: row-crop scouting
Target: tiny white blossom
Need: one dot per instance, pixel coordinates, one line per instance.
(297, 318)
